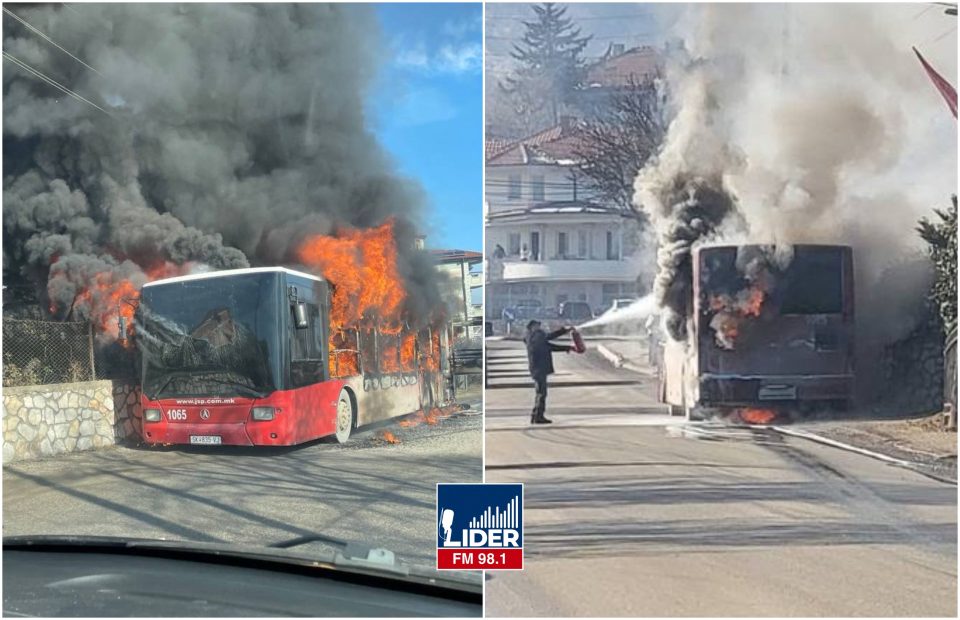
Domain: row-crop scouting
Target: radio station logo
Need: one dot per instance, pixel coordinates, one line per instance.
(479, 526)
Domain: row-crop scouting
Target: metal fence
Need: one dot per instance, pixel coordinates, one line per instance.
(42, 352)
(466, 358)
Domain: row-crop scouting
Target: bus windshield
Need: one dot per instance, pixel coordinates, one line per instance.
(213, 337)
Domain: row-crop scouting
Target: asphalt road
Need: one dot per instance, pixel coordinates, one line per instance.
(629, 512)
(369, 491)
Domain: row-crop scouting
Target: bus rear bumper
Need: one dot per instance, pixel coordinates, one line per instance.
(721, 390)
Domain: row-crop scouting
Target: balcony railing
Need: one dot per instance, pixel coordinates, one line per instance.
(587, 270)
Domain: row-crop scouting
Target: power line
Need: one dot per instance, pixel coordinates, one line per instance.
(67, 6)
(924, 10)
(572, 18)
(951, 30)
(50, 81)
(48, 39)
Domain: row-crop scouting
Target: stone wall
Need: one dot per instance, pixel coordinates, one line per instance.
(126, 408)
(44, 420)
(913, 372)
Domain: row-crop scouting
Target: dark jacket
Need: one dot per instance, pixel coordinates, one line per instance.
(540, 350)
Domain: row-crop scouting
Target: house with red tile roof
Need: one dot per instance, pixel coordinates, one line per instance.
(548, 239)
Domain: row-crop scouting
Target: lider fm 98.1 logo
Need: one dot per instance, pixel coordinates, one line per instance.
(479, 526)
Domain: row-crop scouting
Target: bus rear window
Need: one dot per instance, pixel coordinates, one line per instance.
(813, 283)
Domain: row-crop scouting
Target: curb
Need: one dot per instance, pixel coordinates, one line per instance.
(850, 448)
(619, 361)
(614, 358)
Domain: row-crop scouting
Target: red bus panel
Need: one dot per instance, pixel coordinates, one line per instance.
(300, 415)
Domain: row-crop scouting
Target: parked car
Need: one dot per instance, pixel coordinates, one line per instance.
(574, 311)
(620, 304)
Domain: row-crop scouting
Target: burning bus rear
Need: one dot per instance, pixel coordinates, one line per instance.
(246, 357)
(771, 328)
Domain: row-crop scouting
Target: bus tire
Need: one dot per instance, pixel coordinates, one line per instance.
(346, 419)
(694, 414)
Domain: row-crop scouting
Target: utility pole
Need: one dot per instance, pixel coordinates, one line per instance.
(463, 285)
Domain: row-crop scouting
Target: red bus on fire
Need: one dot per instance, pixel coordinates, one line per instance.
(770, 328)
(246, 357)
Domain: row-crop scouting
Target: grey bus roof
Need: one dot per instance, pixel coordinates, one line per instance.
(232, 272)
(721, 244)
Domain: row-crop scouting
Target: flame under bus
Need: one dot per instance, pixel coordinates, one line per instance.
(769, 329)
(246, 357)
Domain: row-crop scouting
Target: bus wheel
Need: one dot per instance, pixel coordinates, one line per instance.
(693, 413)
(346, 417)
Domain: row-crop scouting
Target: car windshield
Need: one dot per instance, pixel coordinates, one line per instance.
(210, 337)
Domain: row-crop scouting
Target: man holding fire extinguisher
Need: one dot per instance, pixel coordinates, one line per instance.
(540, 357)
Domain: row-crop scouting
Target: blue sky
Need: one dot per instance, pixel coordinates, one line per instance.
(427, 111)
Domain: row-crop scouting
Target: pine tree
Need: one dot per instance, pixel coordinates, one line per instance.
(551, 65)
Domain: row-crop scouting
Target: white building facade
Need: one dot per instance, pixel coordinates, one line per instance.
(546, 241)
(461, 288)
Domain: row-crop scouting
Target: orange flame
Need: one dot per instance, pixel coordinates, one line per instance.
(107, 298)
(730, 312)
(362, 265)
(430, 358)
(408, 351)
(430, 417)
(367, 293)
(757, 416)
(752, 303)
(344, 354)
(389, 437)
(390, 354)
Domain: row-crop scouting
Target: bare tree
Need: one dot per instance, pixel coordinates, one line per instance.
(618, 142)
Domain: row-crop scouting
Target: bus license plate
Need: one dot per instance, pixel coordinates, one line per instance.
(205, 439)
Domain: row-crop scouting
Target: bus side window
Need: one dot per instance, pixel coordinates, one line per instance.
(306, 358)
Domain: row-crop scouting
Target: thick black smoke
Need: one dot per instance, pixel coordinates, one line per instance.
(696, 208)
(231, 132)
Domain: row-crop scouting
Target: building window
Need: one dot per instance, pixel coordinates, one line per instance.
(613, 251)
(514, 187)
(582, 243)
(610, 292)
(562, 245)
(514, 244)
(538, 188)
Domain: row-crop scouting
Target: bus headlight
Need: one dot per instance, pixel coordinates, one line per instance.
(151, 415)
(263, 413)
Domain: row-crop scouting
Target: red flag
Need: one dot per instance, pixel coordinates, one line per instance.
(942, 85)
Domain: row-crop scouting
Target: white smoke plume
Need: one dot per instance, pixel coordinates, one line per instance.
(802, 123)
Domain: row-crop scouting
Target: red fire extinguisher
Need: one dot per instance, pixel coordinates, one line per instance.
(578, 344)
